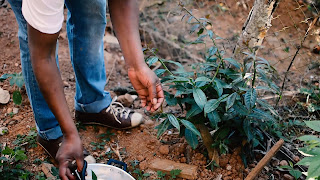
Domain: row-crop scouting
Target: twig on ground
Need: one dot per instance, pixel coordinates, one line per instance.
(265, 160)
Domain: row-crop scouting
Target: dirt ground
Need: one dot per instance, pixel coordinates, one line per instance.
(141, 143)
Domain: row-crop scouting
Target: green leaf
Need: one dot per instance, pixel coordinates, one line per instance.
(191, 138)
(194, 28)
(250, 98)
(313, 151)
(314, 168)
(191, 127)
(17, 98)
(199, 97)
(195, 110)
(266, 105)
(234, 62)
(200, 31)
(175, 172)
(231, 99)
(212, 50)
(261, 115)
(211, 105)
(218, 87)
(315, 125)
(19, 155)
(174, 121)
(210, 33)
(306, 161)
(159, 72)
(7, 151)
(214, 119)
(94, 176)
(5, 76)
(162, 127)
(240, 108)
(202, 79)
(295, 173)
(152, 60)
(309, 138)
(17, 79)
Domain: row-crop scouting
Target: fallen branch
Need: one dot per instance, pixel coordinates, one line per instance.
(265, 160)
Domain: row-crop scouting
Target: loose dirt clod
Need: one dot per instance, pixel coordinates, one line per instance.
(283, 163)
(164, 149)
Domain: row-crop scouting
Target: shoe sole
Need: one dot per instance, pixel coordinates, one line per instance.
(100, 124)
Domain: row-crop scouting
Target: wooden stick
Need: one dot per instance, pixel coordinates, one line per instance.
(265, 160)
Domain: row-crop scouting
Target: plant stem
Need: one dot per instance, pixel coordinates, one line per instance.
(162, 63)
(208, 141)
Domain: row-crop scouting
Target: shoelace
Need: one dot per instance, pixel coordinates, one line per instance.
(116, 108)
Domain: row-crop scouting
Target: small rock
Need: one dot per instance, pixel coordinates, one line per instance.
(183, 160)
(3, 131)
(296, 158)
(16, 64)
(149, 122)
(4, 96)
(15, 110)
(287, 177)
(202, 174)
(9, 110)
(275, 162)
(71, 78)
(66, 84)
(140, 158)
(143, 165)
(126, 100)
(229, 167)
(164, 149)
(283, 163)
(12, 122)
(151, 147)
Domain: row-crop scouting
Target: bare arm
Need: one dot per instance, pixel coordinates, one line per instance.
(125, 20)
(42, 51)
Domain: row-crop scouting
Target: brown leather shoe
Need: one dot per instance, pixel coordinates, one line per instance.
(115, 116)
(52, 146)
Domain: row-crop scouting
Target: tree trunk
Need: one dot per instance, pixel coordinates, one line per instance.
(255, 28)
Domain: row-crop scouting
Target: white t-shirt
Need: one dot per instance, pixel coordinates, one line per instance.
(45, 16)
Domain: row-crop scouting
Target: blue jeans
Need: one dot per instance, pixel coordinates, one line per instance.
(86, 24)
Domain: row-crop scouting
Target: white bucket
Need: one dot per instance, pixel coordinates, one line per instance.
(107, 172)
